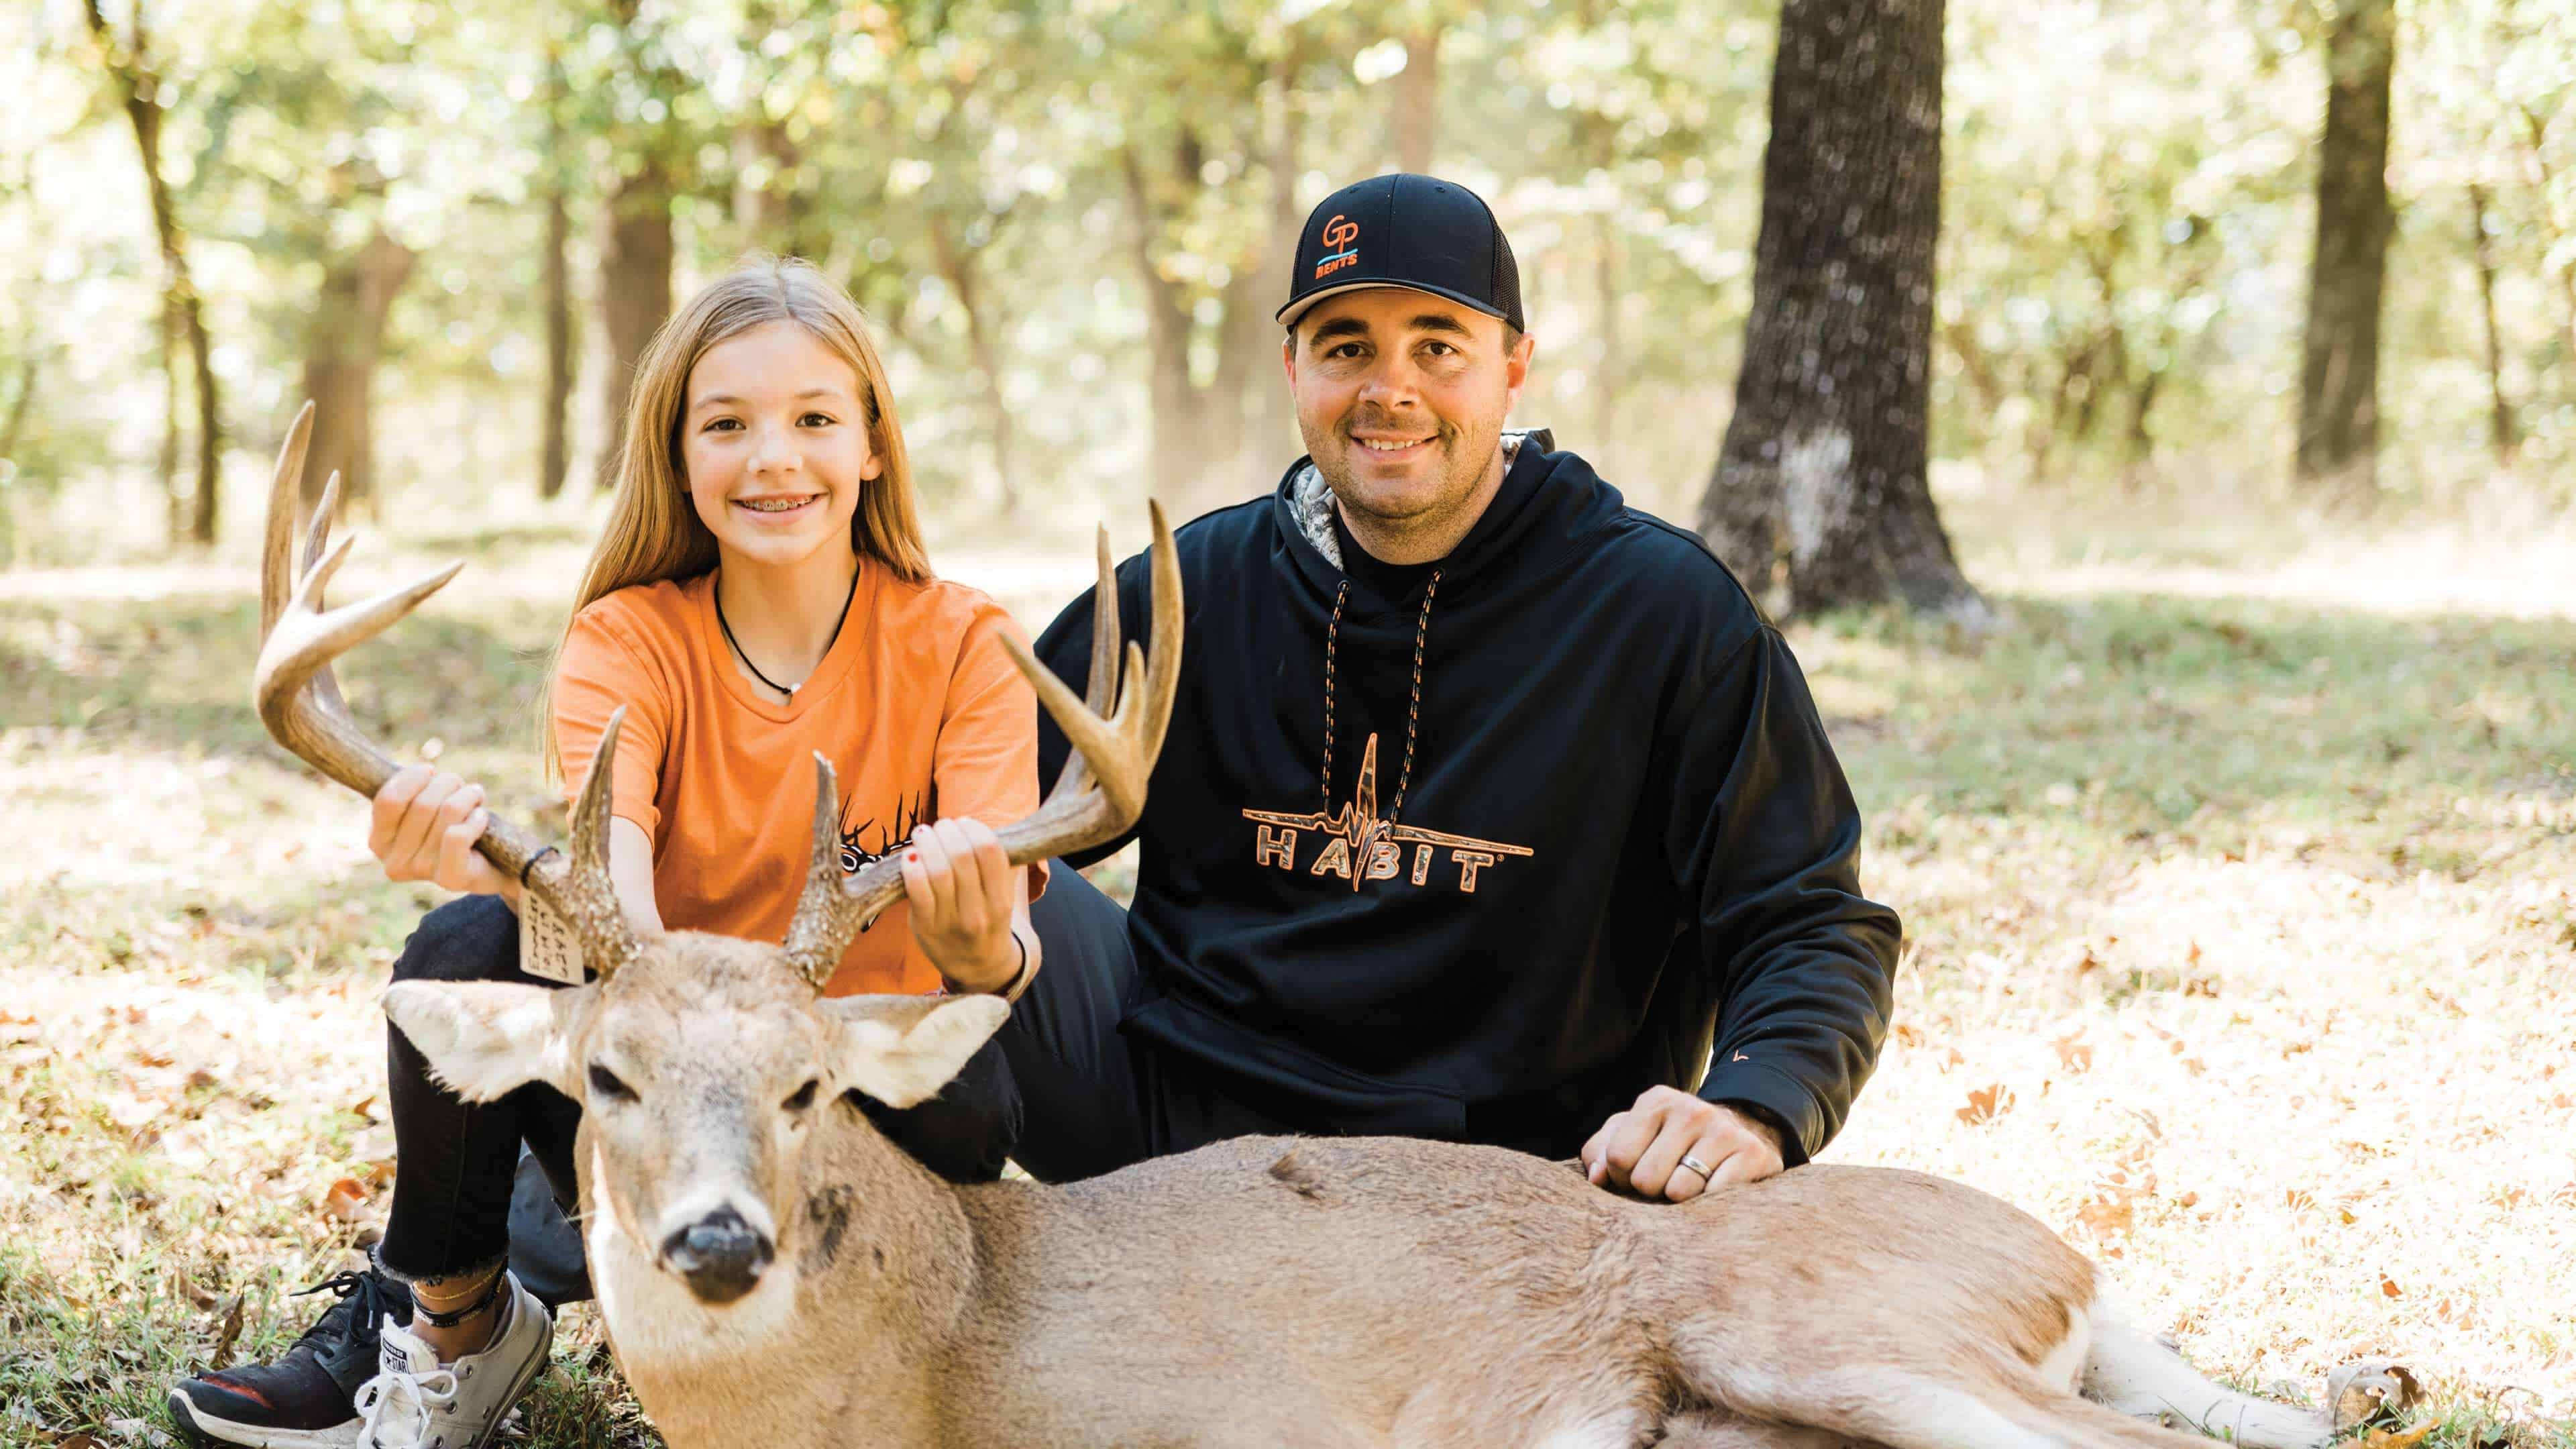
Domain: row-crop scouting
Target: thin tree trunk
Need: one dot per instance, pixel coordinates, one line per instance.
(2483, 244)
(965, 278)
(140, 92)
(174, 519)
(2339, 375)
(1611, 377)
(1820, 496)
(555, 465)
(1416, 102)
(635, 260)
(1178, 434)
(346, 338)
(15, 425)
(554, 460)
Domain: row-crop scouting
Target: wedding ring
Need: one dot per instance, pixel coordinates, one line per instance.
(1695, 1165)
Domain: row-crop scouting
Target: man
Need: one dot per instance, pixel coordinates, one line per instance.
(1490, 805)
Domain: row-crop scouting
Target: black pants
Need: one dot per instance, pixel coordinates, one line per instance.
(1059, 1089)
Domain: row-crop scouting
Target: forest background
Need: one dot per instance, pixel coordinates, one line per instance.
(2229, 795)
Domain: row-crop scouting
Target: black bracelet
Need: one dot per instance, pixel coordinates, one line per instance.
(532, 863)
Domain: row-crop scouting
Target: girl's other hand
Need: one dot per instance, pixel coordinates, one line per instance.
(426, 823)
(963, 889)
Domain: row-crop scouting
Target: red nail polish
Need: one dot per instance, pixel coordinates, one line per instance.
(912, 855)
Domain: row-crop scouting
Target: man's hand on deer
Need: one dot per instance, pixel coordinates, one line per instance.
(965, 895)
(424, 827)
(1672, 1145)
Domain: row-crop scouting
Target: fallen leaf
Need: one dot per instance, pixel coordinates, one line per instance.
(2073, 1054)
(77, 1441)
(2387, 1286)
(2106, 1216)
(1986, 1104)
(346, 1201)
(227, 1334)
(2189, 1199)
(2392, 1439)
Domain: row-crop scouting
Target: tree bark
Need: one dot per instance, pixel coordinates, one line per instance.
(346, 338)
(1178, 446)
(554, 466)
(1820, 497)
(635, 260)
(1416, 102)
(174, 516)
(965, 277)
(140, 91)
(2483, 244)
(2339, 373)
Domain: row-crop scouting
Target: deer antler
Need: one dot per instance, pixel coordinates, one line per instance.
(299, 700)
(1099, 795)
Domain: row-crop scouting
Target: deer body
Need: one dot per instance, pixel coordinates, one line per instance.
(1360, 1292)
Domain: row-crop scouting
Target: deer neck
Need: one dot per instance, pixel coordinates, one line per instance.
(838, 1344)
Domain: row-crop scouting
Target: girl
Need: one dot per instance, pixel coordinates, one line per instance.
(761, 593)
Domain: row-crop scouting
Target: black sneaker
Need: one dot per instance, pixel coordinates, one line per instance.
(303, 1399)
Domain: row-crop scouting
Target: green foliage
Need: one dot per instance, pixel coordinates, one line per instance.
(1017, 191)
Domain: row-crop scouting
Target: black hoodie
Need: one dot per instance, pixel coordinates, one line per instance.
(1623, 839)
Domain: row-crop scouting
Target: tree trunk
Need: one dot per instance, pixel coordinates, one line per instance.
(965, 277)
(556, 463)
(174, 518)
(1820, 497)
(2485, 253)
(346, 338)
(1611, 376)
(635, 259)
(2339, 376)
(1178, 439)
(140, 92)
(1416, 106)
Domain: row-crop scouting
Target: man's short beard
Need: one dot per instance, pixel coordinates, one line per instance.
(1455, 489)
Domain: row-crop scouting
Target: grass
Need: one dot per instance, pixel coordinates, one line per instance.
(2240, 916)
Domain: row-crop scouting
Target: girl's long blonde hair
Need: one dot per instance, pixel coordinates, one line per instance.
(654, 532)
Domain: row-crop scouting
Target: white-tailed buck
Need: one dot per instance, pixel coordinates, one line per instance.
(773, 1272)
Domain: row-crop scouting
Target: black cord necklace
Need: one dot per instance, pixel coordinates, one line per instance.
(745, 655)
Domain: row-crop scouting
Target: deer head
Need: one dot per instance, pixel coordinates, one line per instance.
(700, 1061)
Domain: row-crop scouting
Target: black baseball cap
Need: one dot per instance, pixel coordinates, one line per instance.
(1411, 231)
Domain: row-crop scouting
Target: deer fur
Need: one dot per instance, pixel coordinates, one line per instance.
(1264, 1291)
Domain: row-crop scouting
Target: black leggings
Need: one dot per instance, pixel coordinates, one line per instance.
(1059, 1087)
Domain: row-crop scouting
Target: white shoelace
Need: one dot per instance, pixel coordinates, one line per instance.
(414, 1397)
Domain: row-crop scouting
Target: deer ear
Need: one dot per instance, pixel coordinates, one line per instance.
(484, 1038)
(902, 1049)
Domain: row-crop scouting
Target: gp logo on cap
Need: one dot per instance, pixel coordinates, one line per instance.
(1344, 234)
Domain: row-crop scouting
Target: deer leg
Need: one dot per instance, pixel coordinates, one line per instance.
(2130, 1372)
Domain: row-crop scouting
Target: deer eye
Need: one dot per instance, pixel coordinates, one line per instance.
(803, 1097)
(605, 1083)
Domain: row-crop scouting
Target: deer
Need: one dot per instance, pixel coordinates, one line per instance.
(771, 1270)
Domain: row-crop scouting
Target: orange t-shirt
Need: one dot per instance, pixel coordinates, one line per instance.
(920, 712)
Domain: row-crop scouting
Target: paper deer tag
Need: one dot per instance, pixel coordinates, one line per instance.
(548, 949)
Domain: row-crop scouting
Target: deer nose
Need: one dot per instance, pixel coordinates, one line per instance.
(720, 1255)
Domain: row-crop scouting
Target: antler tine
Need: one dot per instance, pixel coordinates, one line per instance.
(583, 891)
(821, 930)
(1103, 691)
(1099, 795)
(298, 698)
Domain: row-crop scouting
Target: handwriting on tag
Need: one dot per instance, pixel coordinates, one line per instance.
(548, 949)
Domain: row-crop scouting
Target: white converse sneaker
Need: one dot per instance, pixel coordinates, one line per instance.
(416, 1402)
